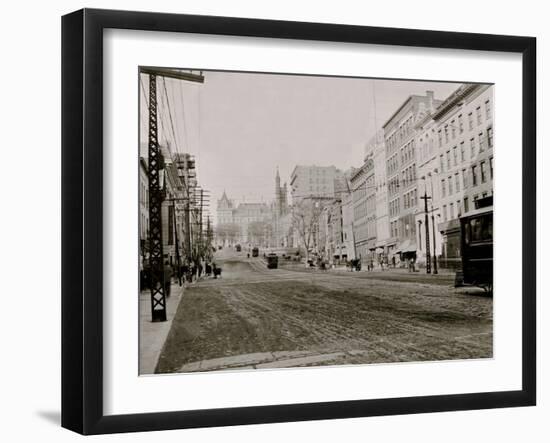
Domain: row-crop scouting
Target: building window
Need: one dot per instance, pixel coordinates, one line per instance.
(451, 211)
(453, 129)
(444, 213)
(488, 109)
(440, 138)
(478, 114)
(457, 182)
(441, 163)
(474, 175)
(464, 178)
(170, 225)
(491, 168)
(455, 156)
(450, 181)
(458, 209)
(481, 142)
(460, 124)
(462, 152)
(448, 159)
(470, 121)
(465, 204)
(482, 170)
(489, 137)
(443, 188)
(472, 148)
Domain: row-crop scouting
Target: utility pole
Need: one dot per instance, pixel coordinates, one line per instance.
(178, 261)
(156, 194)
(435, 253)
(433, 219)
(428, 256)
(201, 245)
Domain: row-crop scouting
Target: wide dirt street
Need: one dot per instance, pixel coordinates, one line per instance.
(254, 317)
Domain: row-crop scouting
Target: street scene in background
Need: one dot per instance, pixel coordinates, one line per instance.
(293, 221)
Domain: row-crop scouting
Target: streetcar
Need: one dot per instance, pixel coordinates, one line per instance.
(272, 261)
(476, 234)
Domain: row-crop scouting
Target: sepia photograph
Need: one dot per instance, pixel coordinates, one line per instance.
(290, 220)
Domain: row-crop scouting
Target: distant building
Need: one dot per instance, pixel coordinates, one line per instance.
(364, 210)
(281, 197)
(224, 210)
(347, 226)
(281, 221)
(376, 150)
(242, 215)
(314, 182)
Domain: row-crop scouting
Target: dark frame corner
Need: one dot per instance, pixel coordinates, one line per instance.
(82, 131)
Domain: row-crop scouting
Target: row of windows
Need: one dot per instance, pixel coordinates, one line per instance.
(408, 227)
(448, 211)
(144, 195)
(459, 154)
(364, 208)
(449, 131)
(478, 173)
(393, 185)
(394, 228)
(407, 152)
(410, 199)
(404, 130)
(366, 230)
(393, 164)
(408, 176)
(394, 207)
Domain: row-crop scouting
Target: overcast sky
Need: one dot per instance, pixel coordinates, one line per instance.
(241, 126)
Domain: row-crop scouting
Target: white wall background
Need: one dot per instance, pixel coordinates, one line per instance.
(30, 222)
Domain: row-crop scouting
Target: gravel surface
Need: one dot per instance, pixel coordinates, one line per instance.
(254, 317)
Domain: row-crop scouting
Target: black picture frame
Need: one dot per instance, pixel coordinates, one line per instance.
(82, 218)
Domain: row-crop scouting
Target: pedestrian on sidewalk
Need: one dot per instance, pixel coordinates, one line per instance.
(167, 278)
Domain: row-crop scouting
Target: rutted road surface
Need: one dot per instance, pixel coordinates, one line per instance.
(254, 317)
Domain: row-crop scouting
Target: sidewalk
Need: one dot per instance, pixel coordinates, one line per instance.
(152, 335)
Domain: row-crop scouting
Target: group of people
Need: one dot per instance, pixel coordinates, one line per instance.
(190, 272)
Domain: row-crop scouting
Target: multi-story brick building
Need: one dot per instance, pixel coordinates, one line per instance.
(465, 145)
(313, 182)
(376, 150)
(428, 164)
(402, 173)
(364, 210)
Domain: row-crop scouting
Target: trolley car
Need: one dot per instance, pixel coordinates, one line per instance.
(272, 261)
(476, 229)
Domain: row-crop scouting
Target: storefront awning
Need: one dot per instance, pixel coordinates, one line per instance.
(406, 246)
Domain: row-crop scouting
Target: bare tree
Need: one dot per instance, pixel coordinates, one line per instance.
(305, 221)
(259, 232)
(227, 233)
